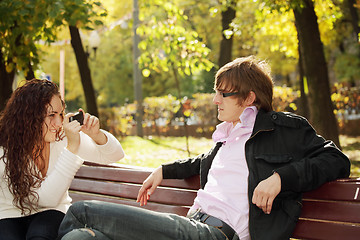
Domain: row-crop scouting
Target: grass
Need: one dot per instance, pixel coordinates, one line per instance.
(351, 147)
(153, 151)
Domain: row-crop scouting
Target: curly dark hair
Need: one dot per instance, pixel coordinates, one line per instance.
(22, 139)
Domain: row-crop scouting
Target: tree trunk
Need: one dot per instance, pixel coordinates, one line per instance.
(354, 18)
(181, 108)
(30, 73)
(316, 72)
(227, 17)
(6, 82)
(303, 108)
(356, 28)
(85, 75)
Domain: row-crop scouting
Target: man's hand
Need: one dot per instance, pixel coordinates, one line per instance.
(149, 186)
(266, 191)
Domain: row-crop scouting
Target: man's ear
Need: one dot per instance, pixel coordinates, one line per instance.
(250, 98)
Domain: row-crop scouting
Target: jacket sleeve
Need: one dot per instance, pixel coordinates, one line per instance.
(322, 162)
(185, 168)
(181, 169)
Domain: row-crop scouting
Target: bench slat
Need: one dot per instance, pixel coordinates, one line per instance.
(180, 210)
(133, 176)
(340, 190)
(124, 190)
(335, 211)
(308, 229)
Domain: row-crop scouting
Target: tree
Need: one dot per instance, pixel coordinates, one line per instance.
(354, 17)
(228, 14)
(84, 14)
(315, 70)
(24, 23)
(347, 59)
(84, 70)
(21, 25)
(169, 46)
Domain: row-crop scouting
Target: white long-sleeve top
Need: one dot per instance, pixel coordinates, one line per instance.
(63, 165)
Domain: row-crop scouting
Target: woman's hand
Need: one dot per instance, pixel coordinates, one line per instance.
(72, 130)
(91, 127)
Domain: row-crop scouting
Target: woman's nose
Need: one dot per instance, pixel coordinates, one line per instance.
(58, 121)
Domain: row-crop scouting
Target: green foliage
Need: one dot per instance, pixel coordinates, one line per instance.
(275, 23)
(168, 45)
(21, 24)
(24, 23)
(156, 108)
(347, 67)
(112, 69)
(83, 14)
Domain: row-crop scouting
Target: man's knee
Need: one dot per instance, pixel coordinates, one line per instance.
(80, 233)
(87, 231)
(77, 207)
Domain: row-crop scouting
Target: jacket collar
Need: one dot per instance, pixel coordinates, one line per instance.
(264, 121)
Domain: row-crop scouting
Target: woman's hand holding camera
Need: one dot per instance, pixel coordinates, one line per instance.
(72, 129)
(90, 126)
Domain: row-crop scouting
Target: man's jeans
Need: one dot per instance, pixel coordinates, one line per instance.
(109, 221)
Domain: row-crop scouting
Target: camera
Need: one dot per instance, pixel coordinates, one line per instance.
(79, 116)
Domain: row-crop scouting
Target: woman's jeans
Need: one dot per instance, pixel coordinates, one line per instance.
(105, 221)
(39, 226)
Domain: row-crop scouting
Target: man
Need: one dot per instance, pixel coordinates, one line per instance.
(251, 181)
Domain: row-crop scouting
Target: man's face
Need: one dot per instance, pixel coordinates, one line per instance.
(229, 109)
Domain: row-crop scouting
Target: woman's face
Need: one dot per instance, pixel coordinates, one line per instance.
(53, 120)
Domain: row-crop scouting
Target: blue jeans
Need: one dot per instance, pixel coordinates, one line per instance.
(39, 226)
(109, 221)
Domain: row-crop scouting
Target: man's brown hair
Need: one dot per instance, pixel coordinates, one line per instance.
(244, 75)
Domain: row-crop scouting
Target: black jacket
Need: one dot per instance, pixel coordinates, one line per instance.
(285, 143)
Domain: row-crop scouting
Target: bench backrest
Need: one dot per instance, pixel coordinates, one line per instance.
(330, 212)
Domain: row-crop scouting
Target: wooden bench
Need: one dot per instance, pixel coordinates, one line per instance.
(330, 212)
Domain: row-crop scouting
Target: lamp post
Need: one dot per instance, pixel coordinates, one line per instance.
(94, 41)
(62, 74)
(137, 73)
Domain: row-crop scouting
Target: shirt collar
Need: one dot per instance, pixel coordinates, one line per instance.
(248, 116)
(247, 119)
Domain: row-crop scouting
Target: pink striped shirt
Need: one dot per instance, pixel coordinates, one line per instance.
(225, 195)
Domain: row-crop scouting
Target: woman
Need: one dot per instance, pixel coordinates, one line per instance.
(40, 152)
